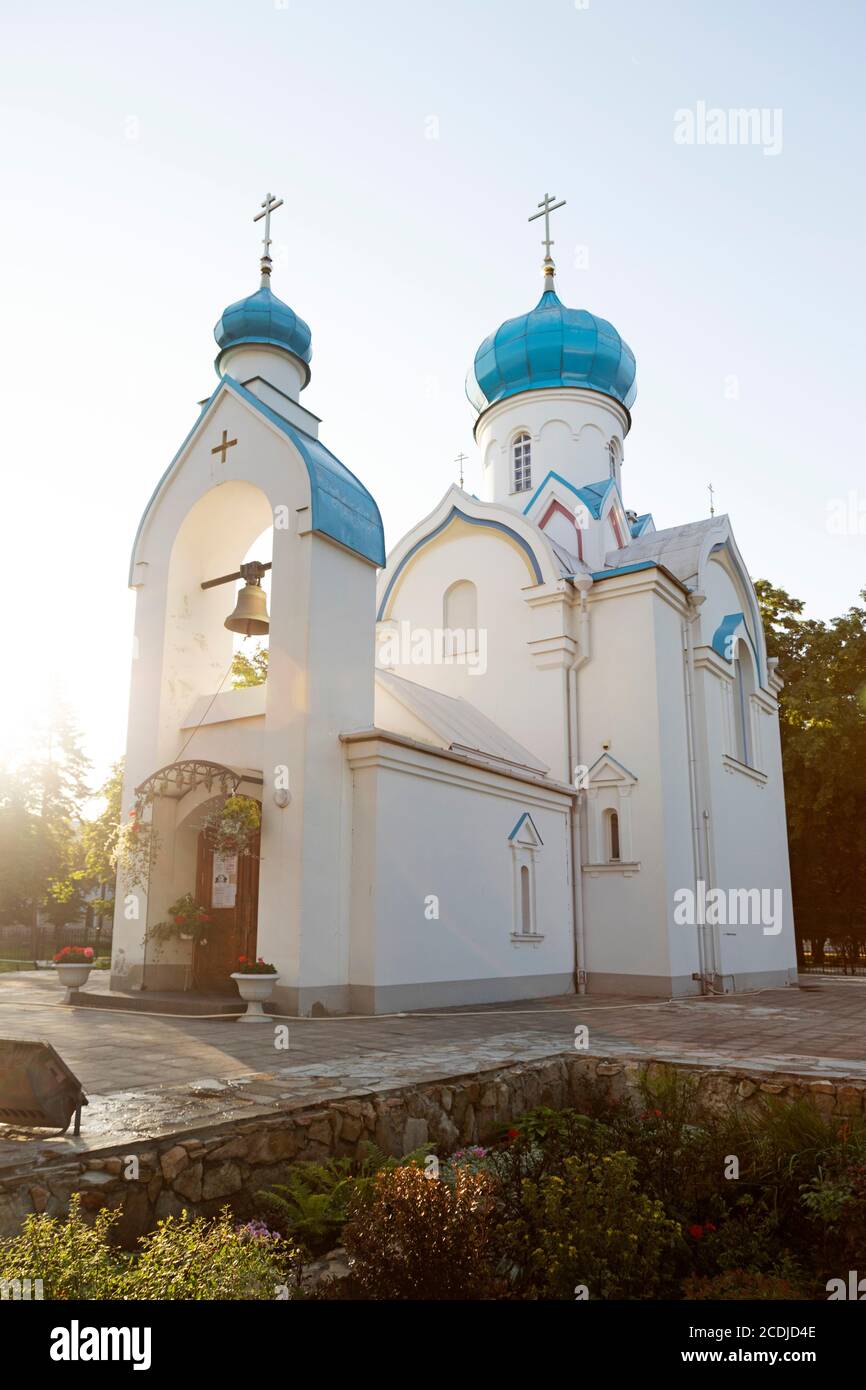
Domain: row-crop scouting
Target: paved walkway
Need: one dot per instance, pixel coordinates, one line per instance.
(148, 1074)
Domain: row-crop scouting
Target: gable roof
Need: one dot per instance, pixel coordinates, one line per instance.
(678, 548)
(593, 495)
(341, 507)
(458, 723)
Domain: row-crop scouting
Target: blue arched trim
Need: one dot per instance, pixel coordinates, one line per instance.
(593, 495)
(472, 521)
(341, 507)
(726, 629)
(754, 610)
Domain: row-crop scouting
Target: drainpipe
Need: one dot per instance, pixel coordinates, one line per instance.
(706, 953)
(583, 584)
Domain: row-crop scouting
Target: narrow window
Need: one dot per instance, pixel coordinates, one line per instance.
(525, 902)
(522, 458)
(745, 685)
(613, 836)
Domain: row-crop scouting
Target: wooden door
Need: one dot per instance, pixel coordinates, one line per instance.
(232, 931)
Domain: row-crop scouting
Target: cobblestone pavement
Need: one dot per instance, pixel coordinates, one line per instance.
(148, 1074)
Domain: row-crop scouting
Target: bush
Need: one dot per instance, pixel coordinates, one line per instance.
(72, 1258)
(186, 1258)
(191, 1258)
(421, 1238)
(590, 1226)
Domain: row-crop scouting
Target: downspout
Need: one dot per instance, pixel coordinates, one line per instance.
(706, 953)
(583, 584)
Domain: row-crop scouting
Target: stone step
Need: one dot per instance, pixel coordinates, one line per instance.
(154, 1001)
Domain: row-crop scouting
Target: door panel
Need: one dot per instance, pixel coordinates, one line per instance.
(232, 932)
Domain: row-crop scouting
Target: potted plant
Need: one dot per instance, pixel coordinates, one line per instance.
(231, 829)
(255, 980)
(187, 921)
(73, 965)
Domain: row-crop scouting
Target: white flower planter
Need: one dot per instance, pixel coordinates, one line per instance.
(72, 977)
(256, 990)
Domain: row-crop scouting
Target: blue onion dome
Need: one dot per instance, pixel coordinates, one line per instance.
(552, 346)
(262, 318)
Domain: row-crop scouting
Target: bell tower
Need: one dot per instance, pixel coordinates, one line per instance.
(252, 497)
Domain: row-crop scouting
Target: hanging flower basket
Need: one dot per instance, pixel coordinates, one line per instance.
(232, 828)
(186, 921)
(135, 849)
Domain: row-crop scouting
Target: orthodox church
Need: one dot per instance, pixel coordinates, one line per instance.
(532, 750)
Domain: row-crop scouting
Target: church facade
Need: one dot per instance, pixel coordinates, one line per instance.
(532, 750)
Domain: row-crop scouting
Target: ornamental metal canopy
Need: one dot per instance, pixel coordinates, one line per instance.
(176, 779)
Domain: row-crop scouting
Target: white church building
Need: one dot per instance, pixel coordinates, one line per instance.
(532, 750)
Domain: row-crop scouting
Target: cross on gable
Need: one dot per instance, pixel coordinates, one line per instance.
(224, 445)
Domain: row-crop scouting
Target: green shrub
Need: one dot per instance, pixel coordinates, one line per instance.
(420, 1238)
(186, 1258)
(312, 1205)
(193, 1259)
(72, 1258)
(588, 1226)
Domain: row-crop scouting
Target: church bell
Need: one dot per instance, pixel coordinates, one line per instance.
(250, 616)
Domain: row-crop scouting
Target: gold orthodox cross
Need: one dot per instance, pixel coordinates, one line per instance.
(224, 446)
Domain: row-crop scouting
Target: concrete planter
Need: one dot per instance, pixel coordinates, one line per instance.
(255, 989)
(72, 977)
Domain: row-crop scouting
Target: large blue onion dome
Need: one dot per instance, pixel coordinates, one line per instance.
(262, 318)
(552, 346)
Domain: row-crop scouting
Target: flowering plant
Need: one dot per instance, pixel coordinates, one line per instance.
(249, 965)
(234, 825)
(74, 955)
(185, 918)
(135, 849)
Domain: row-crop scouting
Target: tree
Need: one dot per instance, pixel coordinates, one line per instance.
(40, 811)
(823, 727)
(250, 670)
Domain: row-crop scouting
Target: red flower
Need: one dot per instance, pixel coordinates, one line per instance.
(658, 1113)
(696, 1232)
(178, 921)
(513, 1134)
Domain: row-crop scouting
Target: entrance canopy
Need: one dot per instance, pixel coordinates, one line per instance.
(176, 779)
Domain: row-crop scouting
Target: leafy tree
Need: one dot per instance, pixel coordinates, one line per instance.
(250, 670)
(823, 727)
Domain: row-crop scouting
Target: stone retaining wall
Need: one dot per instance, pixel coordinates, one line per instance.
(203, 1169)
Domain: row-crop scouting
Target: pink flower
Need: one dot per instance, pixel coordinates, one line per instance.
(88, 951)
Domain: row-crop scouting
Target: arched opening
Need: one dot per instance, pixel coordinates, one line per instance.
(612, 819)
(744, 689)
(521, 463)
(460, 613)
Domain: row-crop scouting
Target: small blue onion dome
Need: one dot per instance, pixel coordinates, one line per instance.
(262, 318)
(552, 346)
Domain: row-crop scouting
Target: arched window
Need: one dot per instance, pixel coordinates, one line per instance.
(743, 690)
(521, 454)
(525, 901)
(460, 606)
(613, 456)
(612, 837)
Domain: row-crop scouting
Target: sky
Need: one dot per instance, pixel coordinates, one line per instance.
(410, 145)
